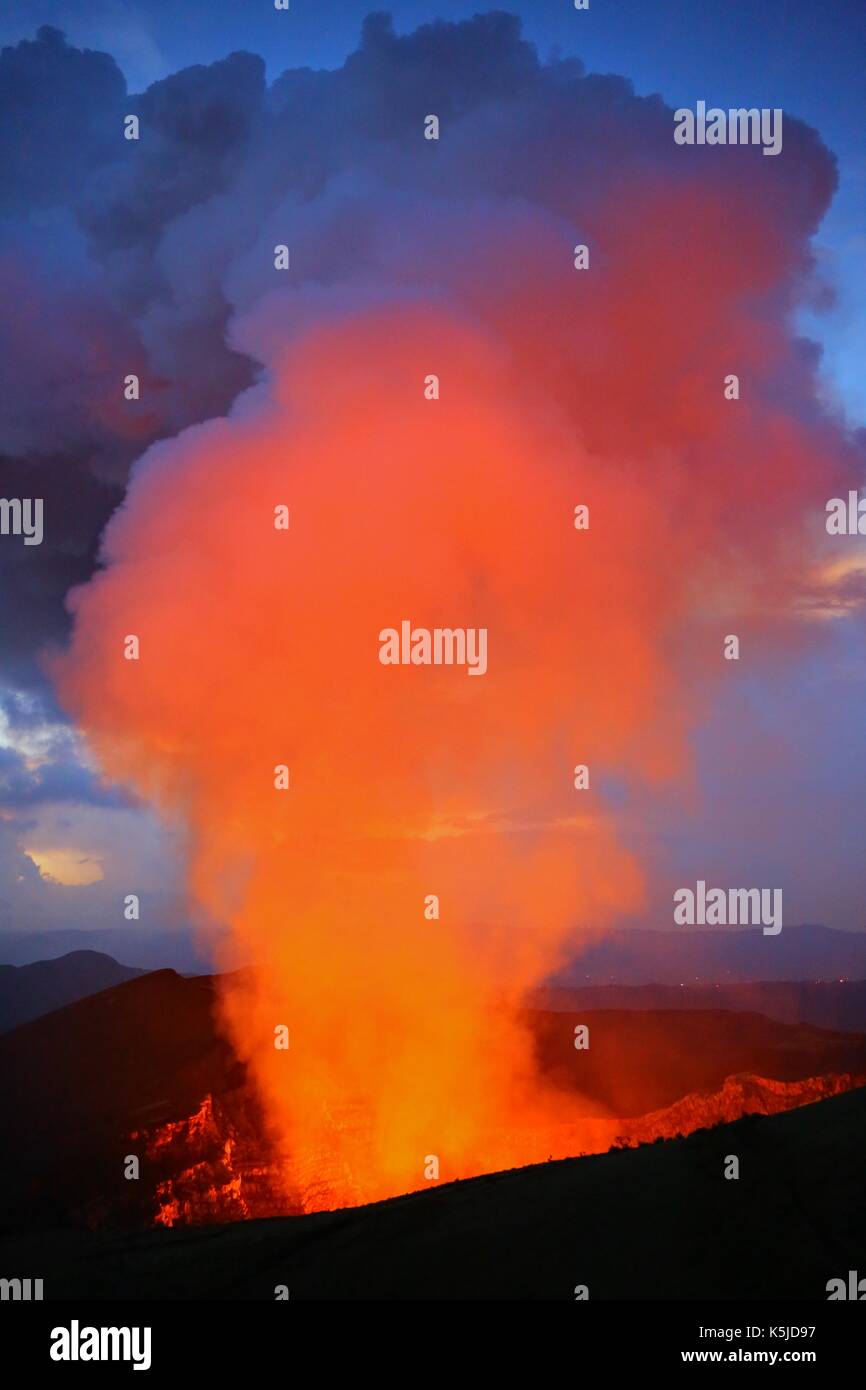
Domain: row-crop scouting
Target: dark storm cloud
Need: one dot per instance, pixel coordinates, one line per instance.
(81, 211)
(57, 112)
(198, 126)
(119, 256)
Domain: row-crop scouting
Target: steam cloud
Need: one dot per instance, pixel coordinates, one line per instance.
(259, 647)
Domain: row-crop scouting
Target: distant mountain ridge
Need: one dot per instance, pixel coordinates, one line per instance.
(836, 1004)
(714, 955)
(29, 991)
(182, 949)
(633, 956)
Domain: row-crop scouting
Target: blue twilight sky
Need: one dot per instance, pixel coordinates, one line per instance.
(69, 850)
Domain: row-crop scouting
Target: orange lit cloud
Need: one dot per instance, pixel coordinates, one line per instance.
(66, 866)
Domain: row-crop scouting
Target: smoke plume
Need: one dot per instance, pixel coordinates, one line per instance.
(259, 646)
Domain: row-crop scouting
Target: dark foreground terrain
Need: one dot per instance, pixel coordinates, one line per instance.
(657, 1222)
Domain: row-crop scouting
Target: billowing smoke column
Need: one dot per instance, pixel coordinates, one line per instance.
(260, 643)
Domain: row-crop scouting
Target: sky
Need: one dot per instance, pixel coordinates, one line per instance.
(155, 271)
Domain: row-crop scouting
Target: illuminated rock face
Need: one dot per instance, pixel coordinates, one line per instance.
(740, 1095)
(216, 1165)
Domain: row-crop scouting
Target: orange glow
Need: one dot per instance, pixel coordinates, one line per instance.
(212, 1173)
(71, 867)
(260, 647)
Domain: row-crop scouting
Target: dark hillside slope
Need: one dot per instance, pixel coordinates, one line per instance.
(658, 1222)
(29, 991)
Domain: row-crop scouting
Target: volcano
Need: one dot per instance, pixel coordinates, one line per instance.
(142, 1070)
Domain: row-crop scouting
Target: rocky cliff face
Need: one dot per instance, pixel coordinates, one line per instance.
(740, 1095)
(215, 1165)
